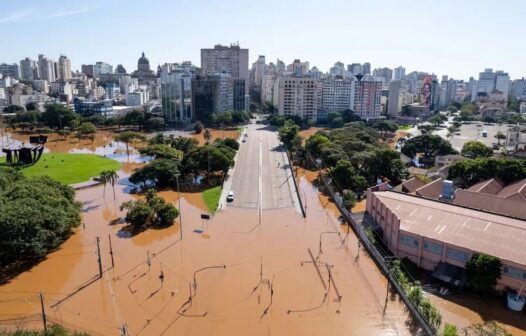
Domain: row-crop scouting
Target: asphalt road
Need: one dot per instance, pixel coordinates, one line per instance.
(262, 177)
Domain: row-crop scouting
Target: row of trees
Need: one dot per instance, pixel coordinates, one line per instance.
(468, 172)
(36, 215)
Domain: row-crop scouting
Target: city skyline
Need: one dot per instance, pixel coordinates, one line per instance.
(390, 35)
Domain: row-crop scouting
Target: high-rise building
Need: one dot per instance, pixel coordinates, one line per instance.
(383, 74)
(338, 70)
(28, 69)
(398, 73)
(448, 91)
(298, 68)
(355, 68)
(46, 68)
(232, 60)
(101, 68)
(267, 87)
(490, 81)
(10, 70)
(337, 94)
(367, 98)
(393, 106)
(87, 69)
(366, 67)
(64, 68)
(260, 68)
(280, 67)
(518, 88)
(176, 97)
(297, 96)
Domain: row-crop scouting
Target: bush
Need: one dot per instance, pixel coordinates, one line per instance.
(155, 212)
(482, 272)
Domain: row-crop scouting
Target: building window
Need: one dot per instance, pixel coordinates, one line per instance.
(457, 255)
(409, 241)
(433, 248)
(514, 273)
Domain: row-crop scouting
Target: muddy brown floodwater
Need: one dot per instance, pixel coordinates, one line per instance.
(237, 274)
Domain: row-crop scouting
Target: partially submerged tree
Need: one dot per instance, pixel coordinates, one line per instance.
(129, 137)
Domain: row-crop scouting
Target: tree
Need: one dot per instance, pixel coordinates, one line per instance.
(500, 136)
(210, 159)
(269, 108)
(474, 149)
(184, 144)
(31, 106)
(129, 137)
(87, 129)
(513, 104)
(385, 127)
(13, 109)
(155, 123)
(162, 152)
(198, 128)
(139, 214)
(438, 119)
(425, 128)
(111, 177)
(161, 172)
(228, 142)
(469, 172)
(207, 135)
(345, 176)
(36, 215)
(64, 133)
(428, 144)
(59, 116)
(288, 132)
(349, 199)
(489, 328)
(154, 212)
(135, 118)
(482, 272)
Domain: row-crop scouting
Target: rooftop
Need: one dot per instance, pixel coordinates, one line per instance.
(476, 230)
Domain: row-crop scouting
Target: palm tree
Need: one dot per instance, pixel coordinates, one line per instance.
(207, 135)
(104, 179)
(112, 178)
(500, 136)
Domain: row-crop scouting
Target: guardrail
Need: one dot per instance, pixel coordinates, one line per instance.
(295, 183)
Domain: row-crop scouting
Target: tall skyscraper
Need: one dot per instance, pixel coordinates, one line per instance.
(367, 98)
(366, 68)
(398, 73)
(222, 59)
(176, 97)
(260, 68)
(46, 68)
(64, 68)
(28, 69)
(394, 98)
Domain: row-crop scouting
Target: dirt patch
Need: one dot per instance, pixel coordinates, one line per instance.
(217, 134)
(305, 134)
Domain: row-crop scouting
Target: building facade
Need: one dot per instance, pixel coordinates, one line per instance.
(46, 68)
(64, 68)
(10, 70)
(176, 97)
(367, 98)
(297, 96)
(337, 94)
(232, 60)
(28, 69)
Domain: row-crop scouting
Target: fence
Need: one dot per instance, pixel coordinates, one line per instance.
(377, 257)
(295, 183)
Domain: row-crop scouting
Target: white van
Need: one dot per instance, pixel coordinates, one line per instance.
(230, 197)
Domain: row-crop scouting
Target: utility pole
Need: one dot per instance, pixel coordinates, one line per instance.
(148, 261)
(179, 203)
(43, 312)
(111, 252)
(99, 259)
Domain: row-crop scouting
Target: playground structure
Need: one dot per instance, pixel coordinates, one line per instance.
(17, 152)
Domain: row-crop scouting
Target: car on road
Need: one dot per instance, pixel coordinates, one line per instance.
(230, 196)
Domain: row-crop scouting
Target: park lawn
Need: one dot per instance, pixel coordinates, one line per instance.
(70, 168)
(404, 127)
(211, 198)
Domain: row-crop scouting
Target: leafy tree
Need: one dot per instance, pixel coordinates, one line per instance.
(345, 176)
(87, 129)
(228, 142)
(438, 119)
(161, 172)
(198, 128)
(139, 214)
(467, 110)
(349, 116)
(129, 137)
(185, 144)
(162, 152)
(155, 123)
(36, 215)
(429, 145)
(425, 128)
(154, 212)
(210, 159)
(59, 116)
(315, 143)
(269, 108)
(288, 132)
(474, 149)
(13, 109)
(384, 127)
(386, 163)
(500, 136)
(31, 107)
(135, 118)
(513, 104)
(64, 133)
(29, 117)
(349, 199)
(469, 172)
(482, 272)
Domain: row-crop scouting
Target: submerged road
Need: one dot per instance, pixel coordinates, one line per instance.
(262, 177)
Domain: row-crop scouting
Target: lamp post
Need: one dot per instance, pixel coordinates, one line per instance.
(179, 204)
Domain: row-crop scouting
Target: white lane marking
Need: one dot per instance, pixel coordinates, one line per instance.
(260, 181)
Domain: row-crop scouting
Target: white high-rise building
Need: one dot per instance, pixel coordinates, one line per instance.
(28, 69)
(222, 59)
(267, 87)
(297, 96)
(46, 68)
(101, 68)
(64, 68)
(337, 94)
(260, 69)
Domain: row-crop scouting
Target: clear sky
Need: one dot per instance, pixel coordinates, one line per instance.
(455, 37)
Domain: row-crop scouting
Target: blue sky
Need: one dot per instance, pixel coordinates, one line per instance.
(455, 37)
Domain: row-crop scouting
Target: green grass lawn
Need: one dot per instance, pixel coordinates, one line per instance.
(404, 127)
(70, 168)
(211, 198)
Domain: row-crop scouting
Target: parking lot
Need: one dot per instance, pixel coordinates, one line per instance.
(474, 131)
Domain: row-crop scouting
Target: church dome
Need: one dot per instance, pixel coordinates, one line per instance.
(143, 60)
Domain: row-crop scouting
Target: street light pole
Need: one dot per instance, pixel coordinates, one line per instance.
(179, 203)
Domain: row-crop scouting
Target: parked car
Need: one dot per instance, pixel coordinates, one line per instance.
(230, 197)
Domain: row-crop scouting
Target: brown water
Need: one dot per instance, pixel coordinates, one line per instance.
(234, 304)
(216, 134)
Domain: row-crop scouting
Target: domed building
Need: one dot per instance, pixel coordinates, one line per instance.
(143, 72)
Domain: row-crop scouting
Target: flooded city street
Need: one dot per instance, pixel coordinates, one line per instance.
(260, 278)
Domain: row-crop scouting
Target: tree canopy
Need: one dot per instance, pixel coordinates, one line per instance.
(59, 116)
(154, 212)
(429, 145)
(474, 149)
(469, 172)
(36, 215)
(482, 272)
(160, 172)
